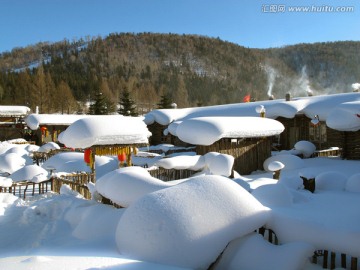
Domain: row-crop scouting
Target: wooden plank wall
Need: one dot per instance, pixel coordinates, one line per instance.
(296, 129)
(351, 149)
(249, 154)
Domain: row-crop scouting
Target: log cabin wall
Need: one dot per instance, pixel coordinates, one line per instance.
(158, 137)
(351, 149)
(11, 127)
(249, 154)
(157, 134)
(296, 129)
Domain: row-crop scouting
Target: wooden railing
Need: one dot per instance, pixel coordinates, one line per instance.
(25, 188)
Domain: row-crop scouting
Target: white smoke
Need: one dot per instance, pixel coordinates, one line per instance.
(356, 87)
(304, 82)
(271, 75)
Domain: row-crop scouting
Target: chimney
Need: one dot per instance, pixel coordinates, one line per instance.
(288, 97)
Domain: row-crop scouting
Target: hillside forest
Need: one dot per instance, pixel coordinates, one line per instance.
(156, 70)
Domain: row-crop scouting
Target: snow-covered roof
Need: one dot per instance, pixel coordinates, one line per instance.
(105, 130)
(322, 106)
(345, 117)
(14, 110)
(207, 130)
(35, 120)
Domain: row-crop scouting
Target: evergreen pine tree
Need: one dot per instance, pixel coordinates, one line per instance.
(101, 106)
(165, 102)
(127, 105)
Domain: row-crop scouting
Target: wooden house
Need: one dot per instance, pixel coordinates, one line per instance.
(114, 135)
(247, 139)
(12, 125)
(46, 127)
(304, 118)
(161, 135)
(344, 129)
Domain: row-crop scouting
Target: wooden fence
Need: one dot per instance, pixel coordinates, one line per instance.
(171, 174)
(76, 181)
(25, 188)
(326, 258)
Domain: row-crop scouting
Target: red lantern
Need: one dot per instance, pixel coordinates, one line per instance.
(122, 157)
(43, 130)
(87, 153)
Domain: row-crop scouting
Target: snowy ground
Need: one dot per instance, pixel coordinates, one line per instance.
(65, 231)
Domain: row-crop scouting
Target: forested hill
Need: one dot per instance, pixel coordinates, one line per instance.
(192, 70)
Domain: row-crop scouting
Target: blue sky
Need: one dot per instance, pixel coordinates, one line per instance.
(250, 23)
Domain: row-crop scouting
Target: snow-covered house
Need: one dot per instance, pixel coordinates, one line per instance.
(46, 127)
(304, 118)
(106, 135)
(247, 139)
(12, 121)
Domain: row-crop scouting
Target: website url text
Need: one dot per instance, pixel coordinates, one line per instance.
(306, 9)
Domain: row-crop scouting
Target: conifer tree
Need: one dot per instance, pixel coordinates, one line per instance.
(165, 102)
(127, 105)
(101, 106)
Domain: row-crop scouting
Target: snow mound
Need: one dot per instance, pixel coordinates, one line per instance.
(21, 151)
(126, 185)
(353, 183)
(32, 173)
(7, 198)
(273, 195)
(11, 162)
(221, 164)
(291, 162)
(252, 252)
(305, 147)
(189, 224)
(47, 147)
(32, 148)
(331, 180)
(86, 226)
(275, 166)
(5, 182)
